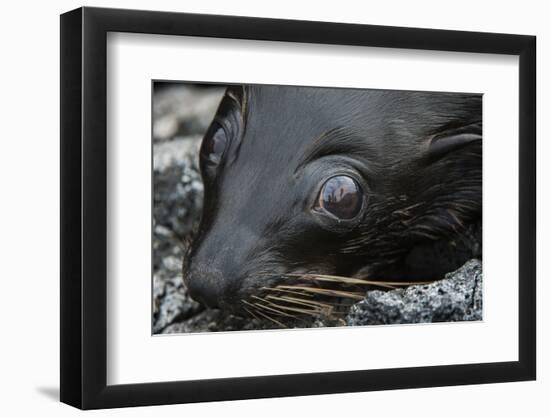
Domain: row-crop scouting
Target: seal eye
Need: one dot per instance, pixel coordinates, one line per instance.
(341, 196)
(213, 147)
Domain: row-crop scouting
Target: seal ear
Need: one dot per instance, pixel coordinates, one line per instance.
(448, 142)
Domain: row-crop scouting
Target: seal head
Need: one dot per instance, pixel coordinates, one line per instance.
(355, 183)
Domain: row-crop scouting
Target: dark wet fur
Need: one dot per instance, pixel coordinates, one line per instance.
(418, 156)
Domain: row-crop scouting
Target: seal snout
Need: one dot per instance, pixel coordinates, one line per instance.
(213, 274)
(205, 284)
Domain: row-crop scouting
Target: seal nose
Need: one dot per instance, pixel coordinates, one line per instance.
(205, 285)
(215, 270)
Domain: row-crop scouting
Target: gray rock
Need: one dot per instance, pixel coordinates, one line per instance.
(183, 109)
(178, 188)
(457, 297)
(178, 194)
(181, 115)
(171, 302)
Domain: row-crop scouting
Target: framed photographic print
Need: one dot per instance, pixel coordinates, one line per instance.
(256, 208)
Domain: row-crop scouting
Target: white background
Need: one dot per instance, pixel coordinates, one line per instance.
(30, 204)
(133, 60)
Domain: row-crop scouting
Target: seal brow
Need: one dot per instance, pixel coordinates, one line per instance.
(336, 141)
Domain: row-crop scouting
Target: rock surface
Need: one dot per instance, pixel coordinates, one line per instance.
(458, 297)
(181, 116)
(183, 109)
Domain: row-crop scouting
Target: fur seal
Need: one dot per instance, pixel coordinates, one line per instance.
(304, 185)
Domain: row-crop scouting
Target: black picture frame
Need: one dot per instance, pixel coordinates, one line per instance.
(84, 207)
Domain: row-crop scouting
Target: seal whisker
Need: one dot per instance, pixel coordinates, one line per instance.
(277, 322)
(359, 281)
(251, 313)
(264, 314)
(300, 301)
(271, 307)
(317, 309)
(333, 293)
(311, 312)
(344, 280)
(278, 289)
(314, 307)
